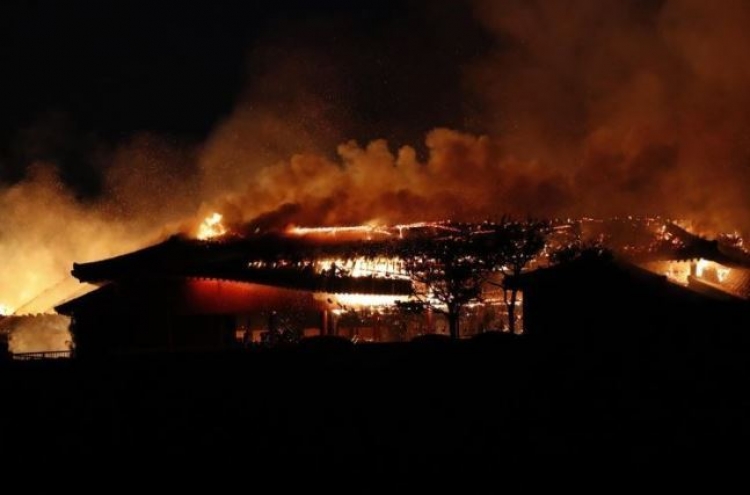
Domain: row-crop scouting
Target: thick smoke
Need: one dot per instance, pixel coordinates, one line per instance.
(46, 227)
(595, 108)
(149, 185)
(643, 105)
(588, 107)
(43, 230)
(38, 333)
(464, 177)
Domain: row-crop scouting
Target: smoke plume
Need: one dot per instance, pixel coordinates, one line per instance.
(642, 105)
(590, 108)
(579, 107)
(39, 333)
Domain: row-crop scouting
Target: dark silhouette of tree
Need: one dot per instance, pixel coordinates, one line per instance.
(449, 271)
(580, 249)
(520, 244)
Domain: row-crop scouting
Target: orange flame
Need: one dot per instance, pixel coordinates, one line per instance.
(704, 266)
(211, 227)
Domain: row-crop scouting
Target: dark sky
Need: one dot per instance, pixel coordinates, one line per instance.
(129, 120)
(78, 73)
(594, 106)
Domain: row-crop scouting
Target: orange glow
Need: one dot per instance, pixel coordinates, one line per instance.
(675, 271)
(366, 231)
(211, 227)
(212, 296)
(362, 229)
(701, 266)
(357, 300)
(365, 267)
(704, 267)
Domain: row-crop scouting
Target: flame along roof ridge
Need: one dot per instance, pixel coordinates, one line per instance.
(179, 254)
(230, 260)
(595, 269)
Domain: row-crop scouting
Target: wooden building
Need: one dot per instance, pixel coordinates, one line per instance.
(601, 300)
(185, 294)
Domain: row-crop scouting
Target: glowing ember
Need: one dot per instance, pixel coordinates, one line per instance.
(211, 227)
(701, 266)
(363, 267)
(330, 230)
(356, 300)
(367, 230)
(710, 270)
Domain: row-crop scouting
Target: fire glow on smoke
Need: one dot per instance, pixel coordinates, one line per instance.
(600, 107)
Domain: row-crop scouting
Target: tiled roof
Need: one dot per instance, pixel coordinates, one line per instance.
(178, 257)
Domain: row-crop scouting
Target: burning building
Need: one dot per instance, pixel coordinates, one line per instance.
(596, 300)
(720, 266)
(220, 290)
(185, 294)
(656, 282)
(664, 248)
(230, 286)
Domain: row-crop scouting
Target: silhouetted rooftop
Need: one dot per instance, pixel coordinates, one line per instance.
(231, 260)
(607, 273)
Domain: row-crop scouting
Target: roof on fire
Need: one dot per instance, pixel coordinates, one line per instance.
(610, 273)
(231, 260)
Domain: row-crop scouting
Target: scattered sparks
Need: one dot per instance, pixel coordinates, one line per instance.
(211, 227)
(366, 230)
(363, 229)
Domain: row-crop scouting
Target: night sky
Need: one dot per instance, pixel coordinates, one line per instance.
(130, 121)
(126, 122)
(83, 74)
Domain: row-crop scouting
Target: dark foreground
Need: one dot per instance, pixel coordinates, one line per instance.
(488, 404)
